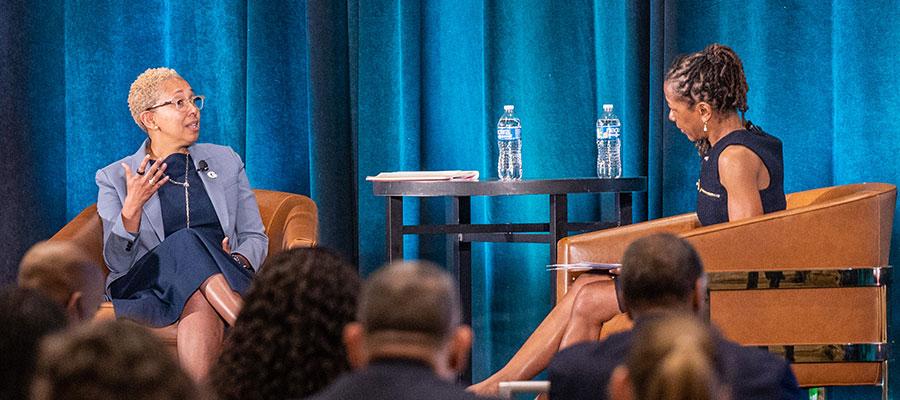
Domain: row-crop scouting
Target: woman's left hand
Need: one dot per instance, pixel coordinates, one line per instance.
(239, 257)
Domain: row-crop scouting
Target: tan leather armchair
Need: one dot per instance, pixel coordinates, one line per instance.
(805, 282)
(291, 220)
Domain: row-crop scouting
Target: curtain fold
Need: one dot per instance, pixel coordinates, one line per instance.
(32, 128)
(316, 95)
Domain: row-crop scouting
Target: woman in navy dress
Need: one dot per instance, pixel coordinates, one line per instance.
(741, 176)
(181, 227)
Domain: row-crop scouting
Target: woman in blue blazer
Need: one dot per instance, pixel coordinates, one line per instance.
(182, 234)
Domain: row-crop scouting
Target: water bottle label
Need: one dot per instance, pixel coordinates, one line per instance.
(606, 132)
(509, 133)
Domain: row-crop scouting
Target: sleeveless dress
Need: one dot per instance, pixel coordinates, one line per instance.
(156, 288)
(712, 198)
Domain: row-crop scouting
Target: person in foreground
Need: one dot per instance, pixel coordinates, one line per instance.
(182, 234)
(672, 358)
(662, 275)
(62, 272)
(408, 342)
(26, 316)
(108, 360)
(741, 176)
(287, 341)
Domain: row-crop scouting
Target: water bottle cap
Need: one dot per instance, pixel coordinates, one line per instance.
(508, 107)
(607, 108)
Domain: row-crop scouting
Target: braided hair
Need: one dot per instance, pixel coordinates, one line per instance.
(714, 75)
(286, 342)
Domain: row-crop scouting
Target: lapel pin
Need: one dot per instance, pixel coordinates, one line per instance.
(212, 175)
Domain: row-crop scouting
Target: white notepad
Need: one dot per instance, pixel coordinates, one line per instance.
(425, 176)
(583, 266)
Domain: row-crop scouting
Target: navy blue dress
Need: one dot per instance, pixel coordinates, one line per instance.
(712, 198)
(156, 288)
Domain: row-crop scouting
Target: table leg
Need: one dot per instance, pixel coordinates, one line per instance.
(394, 228)
(459, 258)
(559, 221)
(623, 206)
(459, 252)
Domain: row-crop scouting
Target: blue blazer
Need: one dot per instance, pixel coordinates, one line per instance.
(229, 191)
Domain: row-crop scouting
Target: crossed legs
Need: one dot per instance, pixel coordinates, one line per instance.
(201, 328)
(577, 317)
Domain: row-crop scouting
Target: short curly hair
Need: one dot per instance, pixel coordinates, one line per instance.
(714, 75)
(144, 92)
(114, 359)
(287, 340)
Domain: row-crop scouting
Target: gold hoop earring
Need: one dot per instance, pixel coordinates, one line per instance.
(705, 127)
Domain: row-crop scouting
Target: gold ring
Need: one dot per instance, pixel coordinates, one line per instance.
(152, 181)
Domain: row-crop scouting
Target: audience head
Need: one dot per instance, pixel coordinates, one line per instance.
(114, 359)
(672, 358)
(286, 342)
(662, 272)
(26, 316)
(410, 310)
(62, 271)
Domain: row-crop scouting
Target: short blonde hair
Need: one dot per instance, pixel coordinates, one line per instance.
(145, 91)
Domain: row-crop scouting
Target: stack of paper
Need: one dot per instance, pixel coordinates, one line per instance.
(583, 266)
(425, 176)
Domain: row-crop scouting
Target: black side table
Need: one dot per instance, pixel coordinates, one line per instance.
(462, 232)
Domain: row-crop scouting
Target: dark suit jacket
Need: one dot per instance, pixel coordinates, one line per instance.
(582, 371)
(394, 379)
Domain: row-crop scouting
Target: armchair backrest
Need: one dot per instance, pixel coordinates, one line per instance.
(291, 220)
(834, 226)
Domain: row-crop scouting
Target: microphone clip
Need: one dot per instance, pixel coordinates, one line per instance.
(202, 166)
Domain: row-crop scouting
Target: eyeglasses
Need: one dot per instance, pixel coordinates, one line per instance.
(181, 103)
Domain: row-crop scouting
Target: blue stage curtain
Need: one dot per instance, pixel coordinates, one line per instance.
(33, 149)
(316, 95)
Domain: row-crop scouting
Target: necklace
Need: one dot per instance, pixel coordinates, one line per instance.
(185, 185)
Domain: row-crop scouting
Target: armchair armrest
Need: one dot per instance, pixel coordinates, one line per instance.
(300, 228)
(608, 245)
(291, 220)
(85, 231)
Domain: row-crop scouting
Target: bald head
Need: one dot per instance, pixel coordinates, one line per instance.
(409, 302)
(660, 271)
(64, 273)
(410, 310)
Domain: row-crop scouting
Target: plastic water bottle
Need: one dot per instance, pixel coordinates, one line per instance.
(609, 144)
(509, 141)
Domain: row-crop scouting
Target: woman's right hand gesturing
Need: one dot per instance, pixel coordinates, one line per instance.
(140, 186)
